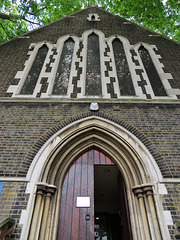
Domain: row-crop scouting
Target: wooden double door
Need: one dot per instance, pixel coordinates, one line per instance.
(103, 213)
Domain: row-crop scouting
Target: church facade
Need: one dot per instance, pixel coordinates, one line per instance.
(90, 131)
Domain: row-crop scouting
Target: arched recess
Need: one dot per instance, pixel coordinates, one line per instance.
(100, 37)
(138, 168)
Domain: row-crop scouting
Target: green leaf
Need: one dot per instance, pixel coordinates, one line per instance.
(152, 14)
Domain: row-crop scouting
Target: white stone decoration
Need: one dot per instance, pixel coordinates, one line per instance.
(78, 69)
(93, 17)
(94, 106)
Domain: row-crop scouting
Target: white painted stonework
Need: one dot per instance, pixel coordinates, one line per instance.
(103, 44)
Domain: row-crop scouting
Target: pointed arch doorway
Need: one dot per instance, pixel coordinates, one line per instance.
(48, 170)
(94, 177)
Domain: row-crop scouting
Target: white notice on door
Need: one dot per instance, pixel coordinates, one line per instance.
(83, 202)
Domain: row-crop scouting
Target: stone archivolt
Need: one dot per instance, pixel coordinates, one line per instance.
(143, 198)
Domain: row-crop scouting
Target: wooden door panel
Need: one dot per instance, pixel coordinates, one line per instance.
(69, 203)
(101, 159)
(90, 226)
(62, 210)
(96, 157)
(79, 181)
(77, 189)
(84, 192)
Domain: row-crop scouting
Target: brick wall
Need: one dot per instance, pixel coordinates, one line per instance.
(171, 202)
(12, 201)
(13, 54)
(24, 124)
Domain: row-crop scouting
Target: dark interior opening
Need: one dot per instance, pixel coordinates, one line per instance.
(110, 202)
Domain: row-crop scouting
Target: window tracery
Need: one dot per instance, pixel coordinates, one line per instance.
(61, 82)
(93, 73)
(152, 74)
(35, 70)
(93, 66)
(122, 69)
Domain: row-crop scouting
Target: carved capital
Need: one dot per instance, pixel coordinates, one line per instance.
(41, 189)
(147, 189)
(138, 191)
(50, 190)
(44, 188)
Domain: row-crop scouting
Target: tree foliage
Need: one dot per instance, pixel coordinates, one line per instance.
(17, 17)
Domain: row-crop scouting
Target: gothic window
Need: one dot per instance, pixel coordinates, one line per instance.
(93, 17)
(61, 82)
(151, 71)
(93, 67)
(122, 69)
(35, 70)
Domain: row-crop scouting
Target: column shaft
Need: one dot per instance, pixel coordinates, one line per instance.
(149, 194)
(44, 230)
(35, 219)
(139, 193)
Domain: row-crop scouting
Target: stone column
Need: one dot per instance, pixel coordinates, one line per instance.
(148, 190)
(44, 233)
(146, 200)
(34, 231)
(39, 229)
(139, 193)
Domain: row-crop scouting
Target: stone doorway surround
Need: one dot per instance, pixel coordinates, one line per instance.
(140, 172)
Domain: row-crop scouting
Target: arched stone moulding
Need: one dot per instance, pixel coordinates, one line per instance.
(59, 47)
(139, 169)
(165, 77)
(131, 66)
(82, 83)
(78, 69)
(21, 75)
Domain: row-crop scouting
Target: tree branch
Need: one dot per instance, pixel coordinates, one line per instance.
(9, 17)
(30, 13)
(12, 17)
(27, 20)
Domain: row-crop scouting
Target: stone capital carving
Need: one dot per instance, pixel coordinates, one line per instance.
(45, 188)
(138, 191)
